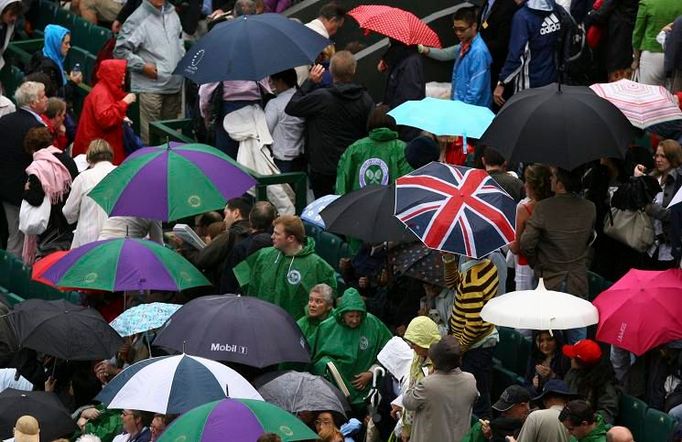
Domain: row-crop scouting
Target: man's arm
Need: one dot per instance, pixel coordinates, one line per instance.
(127, 43)
(415, 396)
(478, 80)
(306, 101)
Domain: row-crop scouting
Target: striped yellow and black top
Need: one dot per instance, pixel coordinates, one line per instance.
(474, 288)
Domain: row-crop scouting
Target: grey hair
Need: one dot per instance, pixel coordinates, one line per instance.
(28, 93)
(325, 291)
(244, 7)
(88, 438)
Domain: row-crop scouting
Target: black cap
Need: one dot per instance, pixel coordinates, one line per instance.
(512, 395)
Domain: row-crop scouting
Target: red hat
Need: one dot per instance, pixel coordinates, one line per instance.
(586, 351)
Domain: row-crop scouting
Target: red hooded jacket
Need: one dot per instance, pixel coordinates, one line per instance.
(104, 110)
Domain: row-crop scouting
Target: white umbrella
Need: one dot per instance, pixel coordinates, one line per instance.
(676, 199)
(540, 309)
(174, 384)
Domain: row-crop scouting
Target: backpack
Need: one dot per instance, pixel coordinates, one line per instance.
(574, 59)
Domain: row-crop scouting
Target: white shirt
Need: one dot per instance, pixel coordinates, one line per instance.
(131, 227)
(80, 207)
(287, 131)
(7, 380)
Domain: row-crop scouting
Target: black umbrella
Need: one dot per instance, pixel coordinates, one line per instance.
(54, 419)
(367, 214)
(235, 328)
(417, 261)
(563, 126)
(64, 330)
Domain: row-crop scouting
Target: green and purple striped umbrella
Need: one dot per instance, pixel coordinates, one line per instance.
(170, 182)
(244, 420)
(124, 264)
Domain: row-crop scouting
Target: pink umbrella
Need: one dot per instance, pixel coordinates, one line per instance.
(642, 104)
(642, 310)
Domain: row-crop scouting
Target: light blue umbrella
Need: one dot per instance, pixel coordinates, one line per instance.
(312, 211)
(143, 317)
(444, 117)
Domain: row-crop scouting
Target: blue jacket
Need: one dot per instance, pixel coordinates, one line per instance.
(531, 57)
(471, 75)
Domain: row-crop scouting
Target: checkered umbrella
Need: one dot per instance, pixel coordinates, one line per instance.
(644, 105)
(395, 23)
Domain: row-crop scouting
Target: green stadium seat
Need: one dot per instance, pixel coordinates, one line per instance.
(65, 18)
(86, 60)
(13, 298)
(330, 248)
(80, 33)
(20, 275)
(5, 266)
(10, 77)
(48, 14)
(658, 426)
(311, 230)
(98, 36)
(513, 350)
(632, 413)
(503, 378)
(597, 284)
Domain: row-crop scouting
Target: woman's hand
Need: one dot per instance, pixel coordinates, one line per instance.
(130, 98)
(361, 380)
(640, 170)
(76, 77)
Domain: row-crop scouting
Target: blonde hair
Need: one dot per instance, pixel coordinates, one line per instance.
(342, 66)
(99, 150)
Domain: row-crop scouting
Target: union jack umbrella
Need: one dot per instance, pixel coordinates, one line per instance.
(456, 209)
(395, 23)
(644, 105)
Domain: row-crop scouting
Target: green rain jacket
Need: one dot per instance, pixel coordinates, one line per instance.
(596, 435)
(284, 280)
(352, 350)
(310, 325)
(377, 159)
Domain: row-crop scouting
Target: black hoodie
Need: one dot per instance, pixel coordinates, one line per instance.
(336, 117)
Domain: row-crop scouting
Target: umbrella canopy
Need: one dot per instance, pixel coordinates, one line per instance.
(153, 182)
(143, 317)
(676, 199)
(174, 384)
(311, 213)
(456, 209)
(64, 330)
(243, 419)
(250, 47)
(41, 266)
(296, 391)
(235, 328)
(644, 105)
(395, 23)
(564, 127)
(54, 419)
(539, 309)
(641, 310)
(444, 117)
(124, 264)
(417, 261)
(366, 214)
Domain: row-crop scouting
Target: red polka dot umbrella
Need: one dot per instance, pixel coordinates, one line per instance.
(395, 23)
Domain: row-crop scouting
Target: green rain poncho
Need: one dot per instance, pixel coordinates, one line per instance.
(352, 350)
(310, 325)
(284, 280)
(377, 159)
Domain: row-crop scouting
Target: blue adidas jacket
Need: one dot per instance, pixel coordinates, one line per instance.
(471, 75)
(531, 57)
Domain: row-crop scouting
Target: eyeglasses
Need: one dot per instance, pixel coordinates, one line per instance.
(323, 422)
(460, 30)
